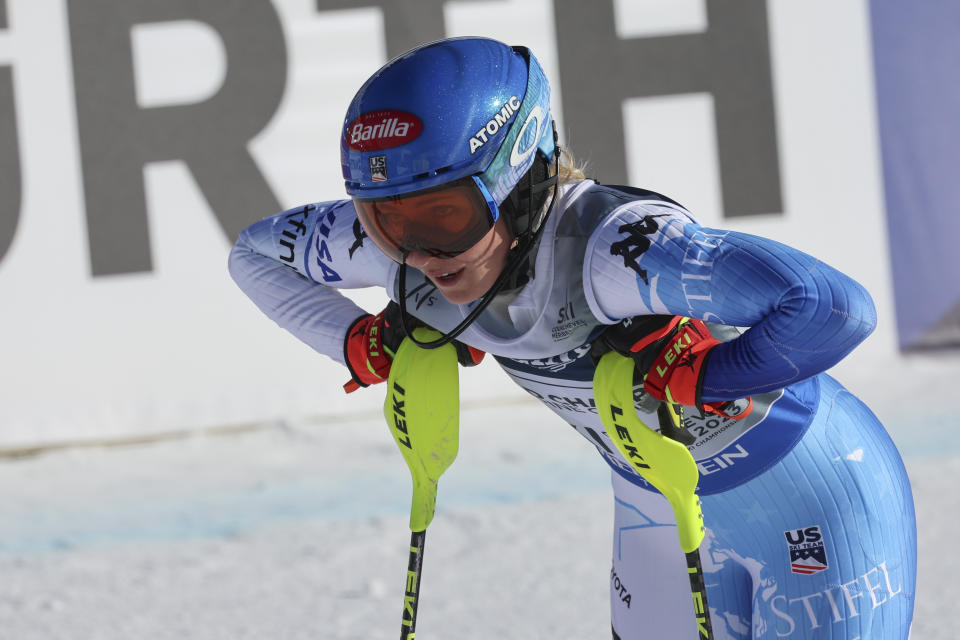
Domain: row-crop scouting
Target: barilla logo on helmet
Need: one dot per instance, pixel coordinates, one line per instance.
(382, 129)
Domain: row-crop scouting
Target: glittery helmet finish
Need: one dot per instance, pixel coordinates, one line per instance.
(449, 109)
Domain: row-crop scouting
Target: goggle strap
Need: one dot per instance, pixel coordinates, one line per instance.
(519, 257)
(456, 331)
(543, 185)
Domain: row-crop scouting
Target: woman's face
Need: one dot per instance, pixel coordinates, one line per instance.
(467, 276)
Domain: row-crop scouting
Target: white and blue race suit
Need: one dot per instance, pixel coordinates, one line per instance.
(810, 524)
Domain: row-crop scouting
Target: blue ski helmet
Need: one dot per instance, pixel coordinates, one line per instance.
(452, 109)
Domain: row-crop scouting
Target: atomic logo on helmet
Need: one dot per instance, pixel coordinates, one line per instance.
(493, 125)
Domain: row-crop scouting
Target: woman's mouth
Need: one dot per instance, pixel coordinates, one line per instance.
(447, 277)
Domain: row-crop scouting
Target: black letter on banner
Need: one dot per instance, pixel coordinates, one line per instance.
(117, 137)
(10, 187)
(407, 23)
(731, 60)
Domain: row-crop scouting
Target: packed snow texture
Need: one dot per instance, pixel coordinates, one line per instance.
(299, 530)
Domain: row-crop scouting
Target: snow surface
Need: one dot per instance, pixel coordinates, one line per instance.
(299, 530)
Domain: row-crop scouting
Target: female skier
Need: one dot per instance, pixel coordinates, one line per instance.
(464, 209)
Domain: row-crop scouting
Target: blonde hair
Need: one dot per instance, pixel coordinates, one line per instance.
(570, 170)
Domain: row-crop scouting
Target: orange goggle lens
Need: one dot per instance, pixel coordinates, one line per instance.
(441, 221)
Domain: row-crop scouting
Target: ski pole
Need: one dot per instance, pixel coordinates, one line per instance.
(663, 461)
(422, 409)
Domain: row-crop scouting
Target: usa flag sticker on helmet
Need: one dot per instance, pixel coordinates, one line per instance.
(384, 129)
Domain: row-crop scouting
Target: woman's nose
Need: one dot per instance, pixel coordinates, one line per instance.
(419, 260)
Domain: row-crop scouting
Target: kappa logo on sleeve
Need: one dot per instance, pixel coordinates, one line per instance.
(636, 243)
(358, 235)
(808, 554)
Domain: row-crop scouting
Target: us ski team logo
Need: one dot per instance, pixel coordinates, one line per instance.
(378, 168)
(808, 555)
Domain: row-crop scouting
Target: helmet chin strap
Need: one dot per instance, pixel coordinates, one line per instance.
(515, 259)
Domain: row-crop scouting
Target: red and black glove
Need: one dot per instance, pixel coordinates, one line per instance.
(372, 341)
(671, 353)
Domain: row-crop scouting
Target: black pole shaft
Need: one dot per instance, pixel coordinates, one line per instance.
(698, 590)
(411, 593)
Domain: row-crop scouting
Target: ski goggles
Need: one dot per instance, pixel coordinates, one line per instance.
(441, 221)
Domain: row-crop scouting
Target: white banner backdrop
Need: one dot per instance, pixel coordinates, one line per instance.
(178, 347)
